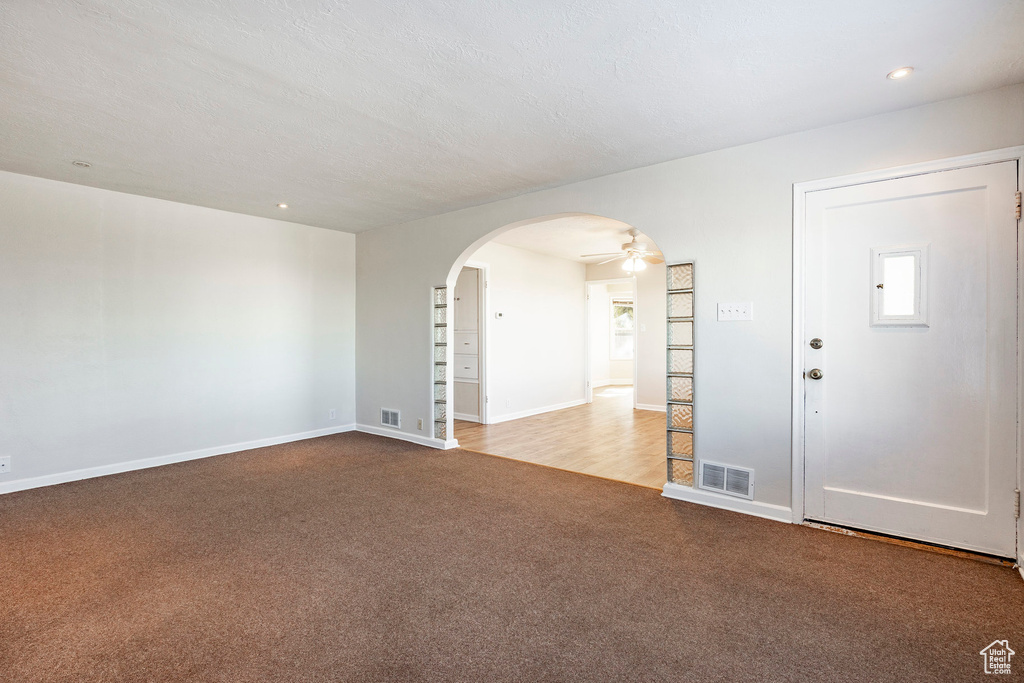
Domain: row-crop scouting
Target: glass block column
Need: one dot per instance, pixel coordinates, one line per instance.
(680, 374)
(441, 430)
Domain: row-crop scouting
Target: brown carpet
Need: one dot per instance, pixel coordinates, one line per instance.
(356, 558)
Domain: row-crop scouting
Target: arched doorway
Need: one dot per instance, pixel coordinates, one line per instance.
(523, 377)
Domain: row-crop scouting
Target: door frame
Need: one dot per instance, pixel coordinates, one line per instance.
(800, 191)
(588, 380)
(483, 276)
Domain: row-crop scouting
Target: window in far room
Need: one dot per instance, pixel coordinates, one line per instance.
(622, 328)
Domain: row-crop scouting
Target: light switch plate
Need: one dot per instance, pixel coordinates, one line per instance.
(736, 311)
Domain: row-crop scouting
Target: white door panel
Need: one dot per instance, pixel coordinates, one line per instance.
(911, 429)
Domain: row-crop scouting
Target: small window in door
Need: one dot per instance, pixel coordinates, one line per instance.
(622, 329)
(898, 286)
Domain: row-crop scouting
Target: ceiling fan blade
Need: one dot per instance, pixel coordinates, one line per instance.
(620, 256)
(653, 259)
(610, 253)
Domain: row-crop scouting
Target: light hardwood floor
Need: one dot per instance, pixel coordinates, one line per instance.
(606, 438)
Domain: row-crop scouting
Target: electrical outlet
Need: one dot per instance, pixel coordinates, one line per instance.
(508, 403)
(419, 424)
(5, 464)
(740, 311)
(332, 414)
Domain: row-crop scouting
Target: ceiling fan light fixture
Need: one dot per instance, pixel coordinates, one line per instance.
(633, 264)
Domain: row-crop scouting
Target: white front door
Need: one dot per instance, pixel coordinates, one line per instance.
(911, 286)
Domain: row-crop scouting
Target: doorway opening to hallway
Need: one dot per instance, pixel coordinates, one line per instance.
(559, 349)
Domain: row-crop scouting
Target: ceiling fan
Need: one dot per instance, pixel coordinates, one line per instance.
(637, 254)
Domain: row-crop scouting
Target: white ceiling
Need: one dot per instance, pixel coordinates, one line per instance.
(363, 114)
(570, 237)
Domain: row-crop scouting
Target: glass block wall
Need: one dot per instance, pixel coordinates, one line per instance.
(680, 374)
(441, 427)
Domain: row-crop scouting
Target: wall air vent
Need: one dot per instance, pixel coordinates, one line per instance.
(390, 418)
(732, 481)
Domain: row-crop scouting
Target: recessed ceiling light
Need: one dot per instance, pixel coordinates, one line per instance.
(899, 73)
(282, 205)
(81, 164)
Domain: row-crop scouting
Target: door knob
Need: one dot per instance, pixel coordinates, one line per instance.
(815, 374)
(816, 343)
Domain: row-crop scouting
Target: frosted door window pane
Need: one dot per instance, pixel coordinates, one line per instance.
(680, 305)
(439, 353)
(439, 335)
(899, 274)
(440, 392)
(680, 389)
(441, 430)
(680, 334)
(680, 277)
(439, 411)
(681, 416)
(440, 373)
(439, 295)
(440, 316)
(680, 360)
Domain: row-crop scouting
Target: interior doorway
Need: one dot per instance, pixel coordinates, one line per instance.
(611, 338)
(910, 375)
(559, 346)
(469, 365)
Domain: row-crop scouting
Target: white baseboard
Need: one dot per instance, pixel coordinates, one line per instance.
(611, 383)
(467, 418)
(406, 436)
(495, 419)
(651, 406)
(717, 500)
(157, 461)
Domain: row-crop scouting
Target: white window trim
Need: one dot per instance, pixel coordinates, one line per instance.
(920, 316)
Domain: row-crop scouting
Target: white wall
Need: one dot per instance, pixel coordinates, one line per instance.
(730, 211)
(536, 350)
(137, 328)
(651, 291)
(604, 370)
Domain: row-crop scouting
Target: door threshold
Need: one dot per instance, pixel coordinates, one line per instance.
(908, 543)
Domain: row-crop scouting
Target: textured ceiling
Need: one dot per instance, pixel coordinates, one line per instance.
(570, 237)
(362, 114)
